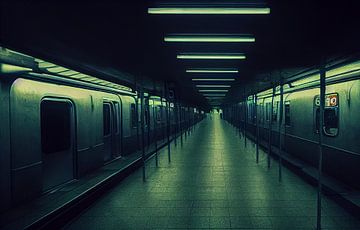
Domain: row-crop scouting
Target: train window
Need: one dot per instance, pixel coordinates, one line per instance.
(331, 114)
(106, 118)
(147, 115)
(116, 117)
(267, 111)
(158, 113)
(133, 115)
(287, 113)
(55, 125)
(275, 111)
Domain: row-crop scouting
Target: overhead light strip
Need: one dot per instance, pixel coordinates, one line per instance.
(213, 86)
(209, 38)
(213, 90)
(212, 71)
(209, 10)
(213, 79)
(213, 56)
(213, 95)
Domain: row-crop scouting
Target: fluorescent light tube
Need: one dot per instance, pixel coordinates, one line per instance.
(208, 10)
(214, 56)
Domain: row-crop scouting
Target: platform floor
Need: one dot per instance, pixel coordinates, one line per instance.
(212, 181)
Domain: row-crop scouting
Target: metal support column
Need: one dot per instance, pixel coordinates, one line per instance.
(180, 124)
(156, 135)
(270, 127)
(176, 122)
(280, 128)
(257, 129)
(142, 117)
(167, 120)
(321, 128)
(245, 120)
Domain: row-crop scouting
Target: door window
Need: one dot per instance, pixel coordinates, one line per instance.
(116, 117)
(133, 115)
(55, 118)
(107, 118)
(287, 113)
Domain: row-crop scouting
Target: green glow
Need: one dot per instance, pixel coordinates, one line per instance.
(208, 38)
(56, 69)
(229, 56)
(309, 79)
(69, 73)
(213, 86)
(213, 90)
(208, 10)
(6, 68)
(211, 71)
(213, 79)
(352, 67)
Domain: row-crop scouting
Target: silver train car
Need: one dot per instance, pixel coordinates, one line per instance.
(300, 124)
(52, 132)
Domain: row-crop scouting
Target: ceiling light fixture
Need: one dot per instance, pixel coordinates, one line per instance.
(213, 79)
(212, 71)
(209, 10)
(208, 38)
(214, 56)
(212, 90)
(213, 86)
(214, 95)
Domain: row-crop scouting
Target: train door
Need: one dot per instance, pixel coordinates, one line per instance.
(57, 141)
(109, 130)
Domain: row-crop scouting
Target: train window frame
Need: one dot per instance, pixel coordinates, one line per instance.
(275, 111)
(133, 116)
(107, 125)
(44, 138)
(316, 123)
(158, 113)
(287, 113)
(267, 111)
(117, 117)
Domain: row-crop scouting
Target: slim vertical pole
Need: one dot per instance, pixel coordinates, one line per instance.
(168, 130)
(176, 122)
(137, 122)
(167, 121)
(142, 116)
(257, 129)
(245, 120)
(321, 127)
(270, 127)
(180, 124)
(156, 136)
(280, 126)
(189, 121)
(239, 117)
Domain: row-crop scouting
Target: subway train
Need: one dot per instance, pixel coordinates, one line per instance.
(300, 124)
(56, 130)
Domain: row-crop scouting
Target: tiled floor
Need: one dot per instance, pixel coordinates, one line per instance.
(212, 182)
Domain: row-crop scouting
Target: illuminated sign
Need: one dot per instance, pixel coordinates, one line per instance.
(331, 100)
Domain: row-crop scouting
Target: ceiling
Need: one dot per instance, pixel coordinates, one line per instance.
(115, 36)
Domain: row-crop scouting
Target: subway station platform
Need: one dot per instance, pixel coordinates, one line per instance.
(213, 181)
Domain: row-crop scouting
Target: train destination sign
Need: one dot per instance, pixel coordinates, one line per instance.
(331, 100)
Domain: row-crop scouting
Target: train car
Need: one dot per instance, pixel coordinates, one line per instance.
(58, 133)
(300, 124)
(56, 128)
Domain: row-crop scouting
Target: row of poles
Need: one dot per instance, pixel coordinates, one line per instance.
(281, 135)
(179, 116)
